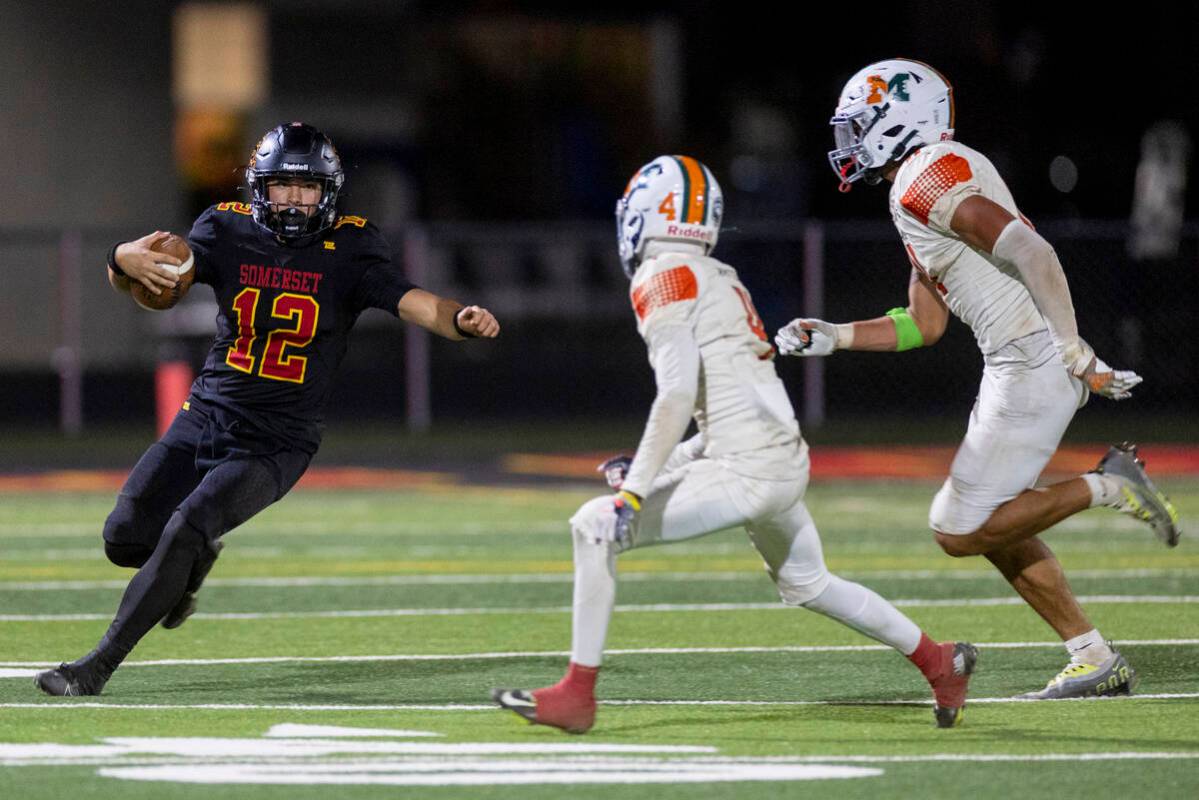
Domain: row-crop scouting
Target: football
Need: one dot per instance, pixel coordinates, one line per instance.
(175, 246)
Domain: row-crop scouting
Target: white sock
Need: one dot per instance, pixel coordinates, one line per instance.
(1105, 489)
(863, 610)
(594, 597)
(1089, 648)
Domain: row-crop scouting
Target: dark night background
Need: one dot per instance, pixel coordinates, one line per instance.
(497, 135)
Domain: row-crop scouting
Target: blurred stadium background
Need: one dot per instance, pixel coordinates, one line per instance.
(490, 139)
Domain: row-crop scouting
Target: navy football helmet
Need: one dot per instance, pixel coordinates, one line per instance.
(294, 151)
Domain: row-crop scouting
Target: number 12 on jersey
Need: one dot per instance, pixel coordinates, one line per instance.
(277, 364)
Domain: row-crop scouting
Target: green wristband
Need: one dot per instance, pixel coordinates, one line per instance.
(906, 332)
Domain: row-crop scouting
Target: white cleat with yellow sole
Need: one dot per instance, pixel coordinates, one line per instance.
(1113, 677)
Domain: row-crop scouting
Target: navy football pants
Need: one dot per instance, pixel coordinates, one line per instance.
(210, 472)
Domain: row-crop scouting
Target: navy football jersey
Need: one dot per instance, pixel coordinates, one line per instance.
(285, 314)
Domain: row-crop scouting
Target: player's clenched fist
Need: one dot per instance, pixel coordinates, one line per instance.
(807, 337)
(477, 321)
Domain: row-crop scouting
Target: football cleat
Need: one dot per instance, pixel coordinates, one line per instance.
(68, 681)
(187, 604)
(1139, 497)
(551, 706)
(949, 688)
(1113, 677)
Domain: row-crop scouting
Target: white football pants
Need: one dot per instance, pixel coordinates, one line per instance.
(1025, 402)
(702, 497)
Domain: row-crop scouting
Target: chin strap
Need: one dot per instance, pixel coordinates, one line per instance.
(845, 186)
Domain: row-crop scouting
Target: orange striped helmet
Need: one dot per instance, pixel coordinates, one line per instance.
(672, 198)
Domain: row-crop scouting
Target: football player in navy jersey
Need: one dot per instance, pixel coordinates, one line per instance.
(290, 278)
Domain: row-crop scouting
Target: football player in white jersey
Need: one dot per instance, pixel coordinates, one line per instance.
(974, 254)
(747, 466)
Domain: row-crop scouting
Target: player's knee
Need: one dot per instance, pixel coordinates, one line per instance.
(122, 544)
(957, 545)
(589, 523)
(120, 526)
(126, 554)
(796, 593)
(942, 512)
(180, 536)
(955, 522)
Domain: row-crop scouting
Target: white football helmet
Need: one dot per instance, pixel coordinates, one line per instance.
(672, 198)
(885, 112)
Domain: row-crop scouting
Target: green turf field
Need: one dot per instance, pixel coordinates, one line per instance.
(384, 619)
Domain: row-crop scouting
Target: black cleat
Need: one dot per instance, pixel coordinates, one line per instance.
(187, 604)
(67, 681)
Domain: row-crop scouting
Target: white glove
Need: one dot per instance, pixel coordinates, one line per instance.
(807, 337)
(1114, 384)
(1101, 379)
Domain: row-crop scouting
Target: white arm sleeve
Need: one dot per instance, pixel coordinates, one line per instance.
(675, 358)
(1041, 273)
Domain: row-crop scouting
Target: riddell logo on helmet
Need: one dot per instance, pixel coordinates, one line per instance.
(294, 167)
(688, 232)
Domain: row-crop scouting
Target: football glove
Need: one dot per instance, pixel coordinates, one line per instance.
(1101, 379)
(626, 505)
(1115, 384)
(807, 337)
(615, 470)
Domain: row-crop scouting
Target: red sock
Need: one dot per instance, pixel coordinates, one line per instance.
(580, 679)
(570, 703)
(927, 657)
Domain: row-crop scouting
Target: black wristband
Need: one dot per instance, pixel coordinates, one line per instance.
(458, 327)
(112, 260)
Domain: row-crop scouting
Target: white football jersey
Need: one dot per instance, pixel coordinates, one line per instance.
(741, 406)
(984, 294)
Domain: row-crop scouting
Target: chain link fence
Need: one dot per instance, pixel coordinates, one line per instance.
(569, 346)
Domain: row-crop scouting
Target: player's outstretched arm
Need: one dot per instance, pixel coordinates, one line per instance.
(986, 225)
(135, 261)
(919, 325)
(446, 317)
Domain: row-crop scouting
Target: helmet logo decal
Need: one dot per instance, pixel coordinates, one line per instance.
(897, 87)
(641, 180)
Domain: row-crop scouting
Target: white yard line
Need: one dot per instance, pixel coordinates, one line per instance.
(1131, 599)
(847, 648)
(1131, 755)
(493, 707)
(566, 577)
